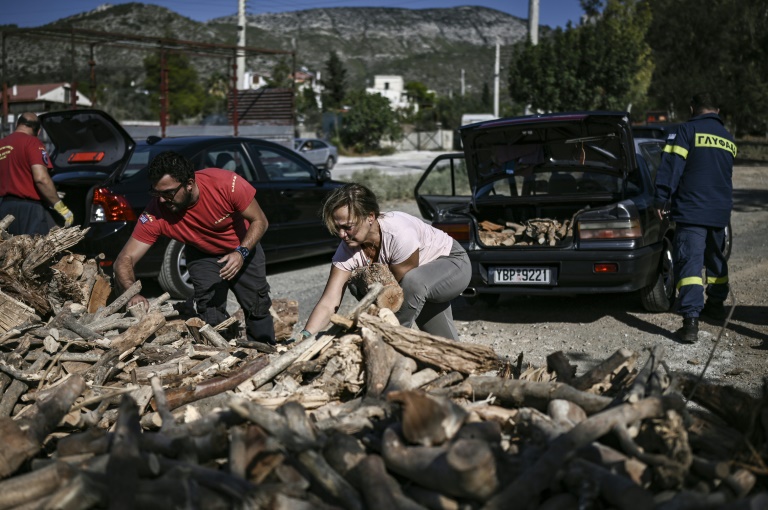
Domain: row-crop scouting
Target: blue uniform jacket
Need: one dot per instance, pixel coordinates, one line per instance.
(696, 173)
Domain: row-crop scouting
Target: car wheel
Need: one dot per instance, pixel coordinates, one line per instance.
(329, 164)
(174, 276)
(483, 299)
(727, 242)
(659, 296)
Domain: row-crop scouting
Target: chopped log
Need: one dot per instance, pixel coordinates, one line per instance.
(124, 460)
(465, 468)
(213, 337)
(34, 485)
(516, 393)
(428, 420)
(137, 334)
(13, 313)
(23, 438)
(285, 314)
(401, 377)
(558, 363)
(118, 303)
(362, 278)
(601, 373)
(56, 241)
(533, 481)
(619, 492)
(100, 291)
(379, 360)
(184, 395)
(434, 350)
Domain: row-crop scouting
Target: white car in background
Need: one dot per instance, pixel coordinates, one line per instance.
(319, 152)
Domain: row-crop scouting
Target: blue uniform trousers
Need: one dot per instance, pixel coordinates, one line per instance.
(698, 246)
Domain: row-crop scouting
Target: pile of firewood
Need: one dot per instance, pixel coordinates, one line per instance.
(132, 409)
(534, 232)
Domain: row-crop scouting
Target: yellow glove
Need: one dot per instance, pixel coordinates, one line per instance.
(65, 213)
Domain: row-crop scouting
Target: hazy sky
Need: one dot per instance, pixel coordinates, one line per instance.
(555, 13)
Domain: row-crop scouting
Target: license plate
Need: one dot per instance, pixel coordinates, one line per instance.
(521, 275)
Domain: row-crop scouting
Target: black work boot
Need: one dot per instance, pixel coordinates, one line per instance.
(714, 310)
(689, 333)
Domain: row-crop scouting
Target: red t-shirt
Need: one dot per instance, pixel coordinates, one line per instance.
(18, 152)
(213, 224)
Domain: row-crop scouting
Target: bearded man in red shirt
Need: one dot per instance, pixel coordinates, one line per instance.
(26, 188)
(215, 214)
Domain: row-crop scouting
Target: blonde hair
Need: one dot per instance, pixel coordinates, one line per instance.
(359, 200)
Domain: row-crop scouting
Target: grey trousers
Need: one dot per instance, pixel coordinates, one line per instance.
(429, 289)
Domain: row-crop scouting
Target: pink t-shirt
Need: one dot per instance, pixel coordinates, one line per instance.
(213, 225)
(401, 235)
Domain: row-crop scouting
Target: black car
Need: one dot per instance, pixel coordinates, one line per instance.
(102, 175)
(582, 170)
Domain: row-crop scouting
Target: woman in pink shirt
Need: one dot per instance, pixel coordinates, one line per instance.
(430, 266)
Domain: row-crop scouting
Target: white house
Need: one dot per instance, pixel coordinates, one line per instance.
(43, 97)
(393, 88)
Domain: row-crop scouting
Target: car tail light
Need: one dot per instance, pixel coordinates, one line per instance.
(458, 231)
(606, 267)
(618, 229)
(109, 206)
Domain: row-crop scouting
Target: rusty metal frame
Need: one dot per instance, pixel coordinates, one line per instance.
(134, 42)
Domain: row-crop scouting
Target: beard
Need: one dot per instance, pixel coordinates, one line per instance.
(182, 204)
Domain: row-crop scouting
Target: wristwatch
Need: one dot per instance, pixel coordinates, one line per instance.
(243, 251)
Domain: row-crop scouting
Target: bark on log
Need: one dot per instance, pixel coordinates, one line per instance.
(533, 481)
(619, 492)
(379, 360)
(137, 334)
(603, 370)
(118, 303)
(514, 393)
(433, 350)
(124, 460)
(34, 485)
(177, 397)
(23, 438)
(558, 363)
(465, 468)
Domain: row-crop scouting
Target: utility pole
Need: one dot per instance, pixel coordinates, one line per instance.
(533, 21)
(240, 63)
(496, 82)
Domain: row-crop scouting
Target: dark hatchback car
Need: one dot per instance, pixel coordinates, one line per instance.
(583, 168)
(103, 177)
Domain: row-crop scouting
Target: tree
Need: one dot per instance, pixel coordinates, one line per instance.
(720, 46)
(281, 75)
(334, 82)
(603, 65)
(370, 118)
(185, 95)
(307, 107)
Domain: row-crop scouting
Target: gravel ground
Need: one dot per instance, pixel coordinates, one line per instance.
(589, 328)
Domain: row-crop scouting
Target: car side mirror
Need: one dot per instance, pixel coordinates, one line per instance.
(324, 175)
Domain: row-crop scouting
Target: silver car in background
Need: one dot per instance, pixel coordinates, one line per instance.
(319, 152)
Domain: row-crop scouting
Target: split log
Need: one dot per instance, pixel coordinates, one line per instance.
(285, 314)
(362, 278)
(56, 241)
(213, 337)
(434, 350)
(379, 360)
(184, 395)
(137, 334)
(34, 485)
(619, 492)
(23, 438)
(602, 372)
(428, 420)
(13, 313)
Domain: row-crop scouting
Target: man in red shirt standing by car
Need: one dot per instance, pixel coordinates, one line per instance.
(215, 214)
(25, 186)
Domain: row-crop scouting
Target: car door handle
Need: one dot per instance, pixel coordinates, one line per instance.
(286, 193)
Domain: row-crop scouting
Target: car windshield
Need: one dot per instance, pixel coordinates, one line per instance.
(297, 143)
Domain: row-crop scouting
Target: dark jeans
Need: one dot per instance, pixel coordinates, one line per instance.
(31, 216)
(250, 288)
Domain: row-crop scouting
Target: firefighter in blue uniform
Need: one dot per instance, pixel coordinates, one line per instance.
(694, 186)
